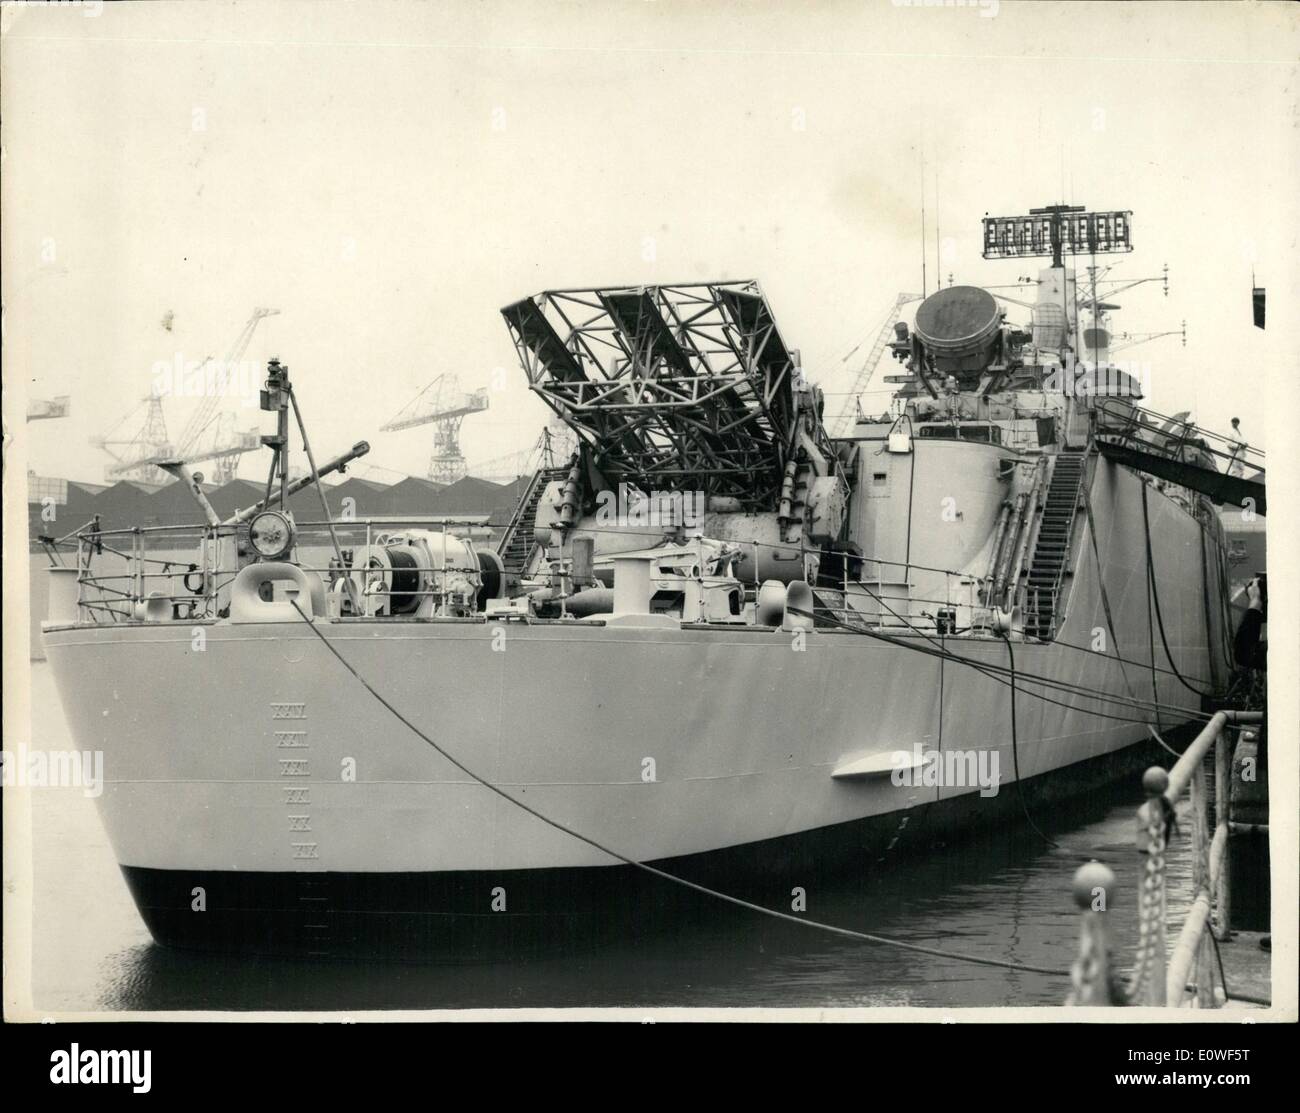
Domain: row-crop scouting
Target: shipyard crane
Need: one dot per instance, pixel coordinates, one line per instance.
(43, 409)
(208, 435)
(844, 420)
(222, 445)
(212, 436)
(443, 405)
(134, 456)
(555, 445)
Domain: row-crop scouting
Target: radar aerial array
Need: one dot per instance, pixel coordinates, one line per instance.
(444, 405)
(668, 387)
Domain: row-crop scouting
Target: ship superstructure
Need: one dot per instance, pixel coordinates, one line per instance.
(718, 639)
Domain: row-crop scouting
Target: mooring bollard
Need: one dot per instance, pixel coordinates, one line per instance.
(1091, 975)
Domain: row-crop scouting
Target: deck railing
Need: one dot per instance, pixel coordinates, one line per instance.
(1161, 978)
(186, 571)
(187, 568)
(1175, 437)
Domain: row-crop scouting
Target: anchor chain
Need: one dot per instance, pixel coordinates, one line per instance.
(1152, 840)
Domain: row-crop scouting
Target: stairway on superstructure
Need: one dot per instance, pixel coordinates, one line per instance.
(1052, 549)
(516, 544)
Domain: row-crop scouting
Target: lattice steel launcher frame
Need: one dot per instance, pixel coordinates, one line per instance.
(669, 385)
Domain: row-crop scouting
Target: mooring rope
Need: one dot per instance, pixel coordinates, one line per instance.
(654, 871)
(1015, 754)
(1091, 522)
(999, 672)
(1155, 594)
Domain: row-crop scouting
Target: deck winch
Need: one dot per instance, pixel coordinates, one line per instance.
(421, 573)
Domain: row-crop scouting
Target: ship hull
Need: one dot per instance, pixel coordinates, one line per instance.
(245, 766)
(484, 915)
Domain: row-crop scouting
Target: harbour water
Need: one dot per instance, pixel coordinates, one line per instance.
(1003, 896)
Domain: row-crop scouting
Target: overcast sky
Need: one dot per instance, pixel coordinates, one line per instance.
(389, 176)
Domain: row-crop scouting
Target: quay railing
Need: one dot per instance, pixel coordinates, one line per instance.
(1161, 977)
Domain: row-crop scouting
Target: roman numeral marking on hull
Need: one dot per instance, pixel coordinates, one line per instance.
(291, 739)
(300, 822)
(288, 711)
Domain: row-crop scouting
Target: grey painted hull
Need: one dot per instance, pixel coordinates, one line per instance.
(743, 727)
(260, 754)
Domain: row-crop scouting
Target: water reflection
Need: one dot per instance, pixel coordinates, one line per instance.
(1003, 896)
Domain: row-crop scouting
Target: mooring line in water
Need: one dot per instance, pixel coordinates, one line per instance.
(942, 651)
(663, 875)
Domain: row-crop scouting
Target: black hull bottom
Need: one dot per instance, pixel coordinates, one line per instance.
(451, 915)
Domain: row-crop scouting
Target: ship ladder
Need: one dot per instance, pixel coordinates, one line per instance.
(1043, 597)
(516, 544)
